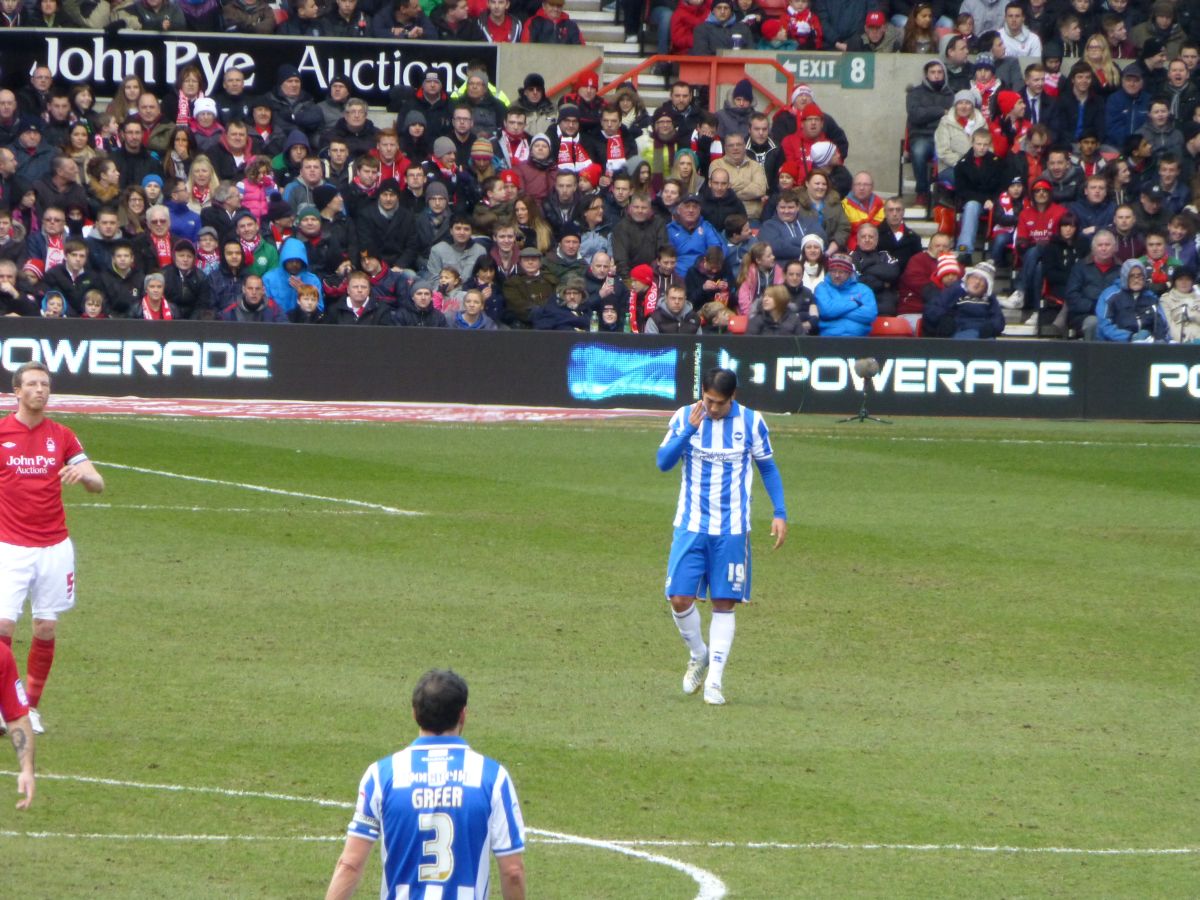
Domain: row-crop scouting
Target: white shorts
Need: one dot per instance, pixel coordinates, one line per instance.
(46, 575)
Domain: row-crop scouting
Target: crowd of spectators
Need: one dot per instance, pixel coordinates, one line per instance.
(1054, 168)
(475, 210)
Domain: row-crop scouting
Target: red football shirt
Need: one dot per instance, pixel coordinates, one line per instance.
(31, 508)
(12, 697)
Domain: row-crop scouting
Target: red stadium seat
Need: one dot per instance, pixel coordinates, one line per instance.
(891, 326)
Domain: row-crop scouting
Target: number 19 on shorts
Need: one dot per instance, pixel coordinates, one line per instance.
(736, 573)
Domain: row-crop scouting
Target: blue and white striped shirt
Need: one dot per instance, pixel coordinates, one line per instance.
(440, 807)
(714, 493)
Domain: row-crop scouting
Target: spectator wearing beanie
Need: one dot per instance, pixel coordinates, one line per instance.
(845, 305)
(720, 31)
(734, 115)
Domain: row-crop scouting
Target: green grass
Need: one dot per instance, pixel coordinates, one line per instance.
(978, 633)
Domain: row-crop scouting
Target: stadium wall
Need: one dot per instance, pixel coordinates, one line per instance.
(813, 375)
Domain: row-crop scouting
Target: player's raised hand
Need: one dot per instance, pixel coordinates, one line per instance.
(779, 532)
(696, 416)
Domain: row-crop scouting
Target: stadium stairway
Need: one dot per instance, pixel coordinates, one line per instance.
(599, 29)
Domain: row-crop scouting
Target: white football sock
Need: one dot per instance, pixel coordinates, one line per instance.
(688, 624)
(720, 639)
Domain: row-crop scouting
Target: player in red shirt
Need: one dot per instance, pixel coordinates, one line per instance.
(37, 457)
(16, 717)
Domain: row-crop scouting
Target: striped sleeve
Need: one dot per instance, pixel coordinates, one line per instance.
(760, 444)
(506, 827)
(367, 811)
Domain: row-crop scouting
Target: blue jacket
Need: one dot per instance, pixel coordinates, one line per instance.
(184, 222)
(691, 245)
(845, 311)
(1124, 115)
(1121, 314)
(785, 239)
(277, 280)
(972, 318)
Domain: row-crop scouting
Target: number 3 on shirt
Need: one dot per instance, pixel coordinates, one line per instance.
(438, 847)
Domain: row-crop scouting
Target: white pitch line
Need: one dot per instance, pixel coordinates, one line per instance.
(711, 887)
(228, 509)
(1019, 442)
(180, 838)
(921, 848)
(262, 489)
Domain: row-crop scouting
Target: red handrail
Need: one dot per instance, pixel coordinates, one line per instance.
(568, 83)
(714, 63)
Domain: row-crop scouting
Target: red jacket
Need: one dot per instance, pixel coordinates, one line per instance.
(683, 24)
(1034, 227)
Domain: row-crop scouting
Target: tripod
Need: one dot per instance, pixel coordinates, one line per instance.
(863, 415)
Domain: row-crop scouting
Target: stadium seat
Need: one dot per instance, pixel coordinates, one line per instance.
(891, 326)
(737, 325)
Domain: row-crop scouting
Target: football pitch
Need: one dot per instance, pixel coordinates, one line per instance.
(970, 672)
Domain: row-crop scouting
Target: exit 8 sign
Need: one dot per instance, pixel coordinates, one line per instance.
(853, 71)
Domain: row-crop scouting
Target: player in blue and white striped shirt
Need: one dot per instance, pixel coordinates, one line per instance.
(439, 807)
(716, 438)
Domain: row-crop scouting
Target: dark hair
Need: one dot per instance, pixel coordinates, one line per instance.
(438, 700)
(720, 381)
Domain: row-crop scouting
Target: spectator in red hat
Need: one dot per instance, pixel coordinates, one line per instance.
(775, 36)
(1036, 227)
(551, 25)
(878, 35)
(1009, 124)
(586, 99)
(797, 147)
(787, 121)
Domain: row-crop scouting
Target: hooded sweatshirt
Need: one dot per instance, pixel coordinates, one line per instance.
(277, 281)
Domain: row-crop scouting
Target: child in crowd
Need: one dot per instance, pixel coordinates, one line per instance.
(152, 187)
(258, 185)
(1181, 240)
(208, 250)
(775, 36)
(93, 305)
(53, 305)
(802, 25)
(448, 297)
(306, 311)
(1004, 220)
(964, 25)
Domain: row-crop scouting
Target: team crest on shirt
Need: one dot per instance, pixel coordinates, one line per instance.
(737, 435)
(49, 445)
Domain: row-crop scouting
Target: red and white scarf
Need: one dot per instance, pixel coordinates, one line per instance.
(55, 253)
(164, 310)
(162, 248)
(614, 154)
(201, 194)
(571, 155)
(518, 147)
(248, 248)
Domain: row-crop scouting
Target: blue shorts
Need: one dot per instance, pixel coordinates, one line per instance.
(716, 565)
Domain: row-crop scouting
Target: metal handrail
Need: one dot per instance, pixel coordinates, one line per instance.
(714, 63)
